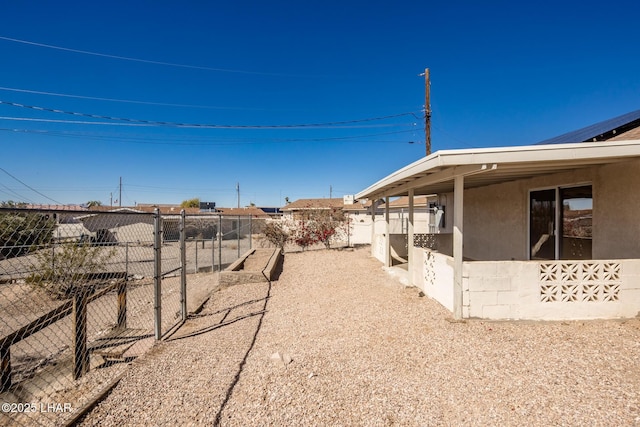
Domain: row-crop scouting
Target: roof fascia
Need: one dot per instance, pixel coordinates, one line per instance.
(443, 175)
(578, 152)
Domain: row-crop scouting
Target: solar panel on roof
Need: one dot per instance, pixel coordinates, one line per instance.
(596, 130)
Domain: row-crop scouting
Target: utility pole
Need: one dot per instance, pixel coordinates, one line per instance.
(427, 111)
(238, 191)
(120, 195)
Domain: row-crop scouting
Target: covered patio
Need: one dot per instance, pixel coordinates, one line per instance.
(529, 232)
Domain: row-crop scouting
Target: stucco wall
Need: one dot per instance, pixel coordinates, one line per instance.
(616, 206)
(494, 222)
(360, 228)
(496, 216)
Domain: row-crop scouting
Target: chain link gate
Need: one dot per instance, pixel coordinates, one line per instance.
(83, 291)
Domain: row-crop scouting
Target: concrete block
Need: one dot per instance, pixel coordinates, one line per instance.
(483, 269)
(630, 267)
(497, 312)
(495, 284)
(508, 297)
(483, 298)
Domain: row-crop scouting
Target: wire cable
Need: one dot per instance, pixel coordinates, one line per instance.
(227, 141)
(19, 196)
(146, 61)
(128, 101)
(30, 188)
(205, 125)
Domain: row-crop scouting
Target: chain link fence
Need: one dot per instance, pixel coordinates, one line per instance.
(83, 293)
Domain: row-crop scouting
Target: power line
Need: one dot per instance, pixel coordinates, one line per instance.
(129, 101)
(145, 61)
(20, 197)
(227, 141)
(30, 188)
(197, 125)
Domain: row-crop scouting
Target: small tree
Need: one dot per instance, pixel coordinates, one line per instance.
(304, 235)
(191, 203)
(12, 204)
(93, 203)
(276, 233)
(326, 224)
(70, 267)
(23, 232)
(319, 226)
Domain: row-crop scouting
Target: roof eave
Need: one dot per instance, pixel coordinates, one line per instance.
(514, 156)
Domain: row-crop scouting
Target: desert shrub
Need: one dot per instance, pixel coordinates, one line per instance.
(319, 226)
(276, 233)
(71, 267)
(21, 233)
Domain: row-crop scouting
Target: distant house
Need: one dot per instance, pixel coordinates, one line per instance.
(295, 209)
(110, 225)
(252, 211)
(359, 215)
(547, 231)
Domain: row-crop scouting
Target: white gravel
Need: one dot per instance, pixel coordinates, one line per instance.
(367, 351)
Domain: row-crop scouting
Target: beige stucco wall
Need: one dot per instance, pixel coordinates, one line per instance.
(616, 205)
(496, 216)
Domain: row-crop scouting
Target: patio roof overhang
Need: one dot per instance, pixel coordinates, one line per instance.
(436, 173)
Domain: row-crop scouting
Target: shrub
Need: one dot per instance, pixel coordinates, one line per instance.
(23, 232)
(70, 267)
(276, 233)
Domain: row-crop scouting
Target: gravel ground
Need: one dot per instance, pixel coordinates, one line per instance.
(367, 351)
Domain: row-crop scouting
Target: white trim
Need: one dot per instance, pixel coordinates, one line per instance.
(543, 157)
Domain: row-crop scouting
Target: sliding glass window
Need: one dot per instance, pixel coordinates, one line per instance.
(564, 233)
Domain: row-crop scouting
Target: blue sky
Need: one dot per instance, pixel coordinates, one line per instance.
(502, 73)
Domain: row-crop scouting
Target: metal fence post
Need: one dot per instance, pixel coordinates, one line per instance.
(157, 273)
(238, 233)
(81, 353)
(196, 266)
(219, 242)
(183, 269)
(213, 251)
(5, 367)
(250, 230)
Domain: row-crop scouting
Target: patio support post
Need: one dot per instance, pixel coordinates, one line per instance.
(387, 229)
(410, 232)
(373, 227)
(458, 189)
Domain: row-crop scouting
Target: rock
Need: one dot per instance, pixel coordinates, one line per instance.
(281, 359)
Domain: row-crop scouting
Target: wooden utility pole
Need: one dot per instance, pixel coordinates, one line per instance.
(427, 111)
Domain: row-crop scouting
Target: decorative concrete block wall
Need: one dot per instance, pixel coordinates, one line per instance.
(551, 290)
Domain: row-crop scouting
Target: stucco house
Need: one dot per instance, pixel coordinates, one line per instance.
(547, 231)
